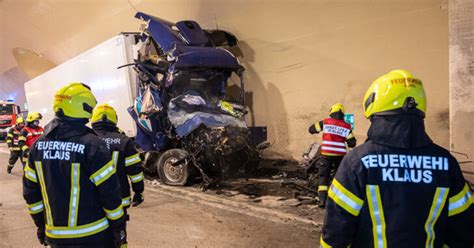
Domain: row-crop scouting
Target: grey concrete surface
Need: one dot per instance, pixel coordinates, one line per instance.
(161, 221)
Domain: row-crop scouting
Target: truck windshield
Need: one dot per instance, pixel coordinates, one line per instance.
(210, 88)
(6, 109)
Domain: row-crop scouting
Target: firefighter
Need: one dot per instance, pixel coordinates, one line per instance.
(70, 184)
(126, 158)
(398, 189)
(12, 142)
(30, 133)
(336, 133)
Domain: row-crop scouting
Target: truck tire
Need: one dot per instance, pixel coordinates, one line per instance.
(175, 175)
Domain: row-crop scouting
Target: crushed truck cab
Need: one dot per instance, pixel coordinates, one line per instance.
(183, 110)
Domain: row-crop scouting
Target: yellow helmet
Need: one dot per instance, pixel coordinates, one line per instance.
(336, 108)
(104, 112)
(395, 91)
(33, 116)
(19, 120)
(75, 100)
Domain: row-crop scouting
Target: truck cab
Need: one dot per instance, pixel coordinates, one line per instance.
(8, 114)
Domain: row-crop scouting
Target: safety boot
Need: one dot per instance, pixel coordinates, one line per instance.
(323, 195)
(9, 169)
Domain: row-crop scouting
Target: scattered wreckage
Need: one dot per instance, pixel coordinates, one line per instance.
(188, 123)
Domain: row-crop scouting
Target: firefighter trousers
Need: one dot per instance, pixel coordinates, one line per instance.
(14, 156)
(326, 165)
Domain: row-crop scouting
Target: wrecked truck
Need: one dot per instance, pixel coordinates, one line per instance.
(187, 123)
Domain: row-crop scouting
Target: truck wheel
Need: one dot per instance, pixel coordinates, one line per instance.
(175, 175)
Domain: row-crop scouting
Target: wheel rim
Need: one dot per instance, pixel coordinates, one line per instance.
(173, 173)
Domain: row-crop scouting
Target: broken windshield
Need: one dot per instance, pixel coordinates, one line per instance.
(210, 88)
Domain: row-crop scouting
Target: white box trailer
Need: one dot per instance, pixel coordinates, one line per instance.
(97, 68)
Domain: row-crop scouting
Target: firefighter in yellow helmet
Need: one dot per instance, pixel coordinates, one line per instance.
(398, 189)
(336, 133)
(30, 133)
(125, 156)
(12, 143)
(70, 182)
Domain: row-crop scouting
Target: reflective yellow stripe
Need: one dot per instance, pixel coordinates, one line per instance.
(350, 136)
(461, 201)
(16, 148)
(22, 138)
(126, 201)
(103, 173)
(132, 160)
(377, 215)
(39, 170)
(114, 214)
(24, 148)
(323, 243)
(136, 178)
(10, 135)
(318, 127)
(344, 198)
(36, 207)
(124, 246)
(323, 188)
(75, 193)
(30, 174)
(436, 208)
(77, 231)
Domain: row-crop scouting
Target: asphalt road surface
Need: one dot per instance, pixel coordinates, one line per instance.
(161, 221)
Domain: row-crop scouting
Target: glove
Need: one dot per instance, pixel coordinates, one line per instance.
(120, 236)
(137, 199)
(40, 233)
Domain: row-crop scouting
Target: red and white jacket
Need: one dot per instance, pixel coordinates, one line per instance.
(335, 134)
(28, 136)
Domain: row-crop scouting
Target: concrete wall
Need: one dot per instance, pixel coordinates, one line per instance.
(461, 72)
(300, 56)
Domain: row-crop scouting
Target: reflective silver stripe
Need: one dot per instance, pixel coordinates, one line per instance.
(36, 208)
(377, 215)
(341, 144)
(115, 213)
(333, 149)
(132, 159)
(126, 201)
(136, 178)
(351, 203)
(74, 194)
(109, 170)
(461, 202)
(436, 208)
(115, 156)
(78, 231)
(31, 175)
(44, 192)
(39, 207)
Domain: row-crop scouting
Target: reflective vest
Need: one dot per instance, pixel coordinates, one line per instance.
(33, 135)
(12, 138)
(335, 133)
